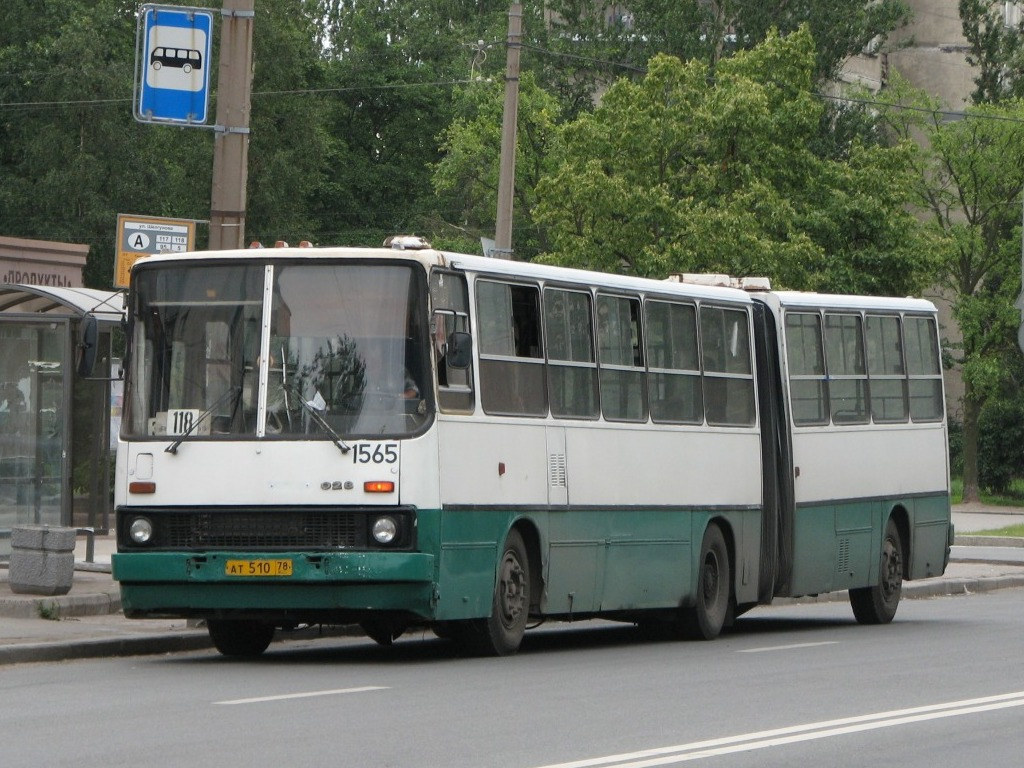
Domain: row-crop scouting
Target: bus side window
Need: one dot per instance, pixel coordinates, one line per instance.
(886, 372)
(511, 352)
(806, 362)
(449, 300)
(674, 378)
(847, 372)
(728, 372)
(572, 366)
(923, 368)
(623, 382)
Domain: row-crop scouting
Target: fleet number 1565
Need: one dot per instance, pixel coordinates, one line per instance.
(374, 453)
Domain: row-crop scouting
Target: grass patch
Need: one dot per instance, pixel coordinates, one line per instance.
(49, 611)
(1010, 530)
(1014, 497)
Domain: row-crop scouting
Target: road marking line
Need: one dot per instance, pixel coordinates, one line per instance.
(698, 750)
(306, 695)
(787, 647)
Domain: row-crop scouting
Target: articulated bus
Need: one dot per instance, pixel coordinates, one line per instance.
(400, 437)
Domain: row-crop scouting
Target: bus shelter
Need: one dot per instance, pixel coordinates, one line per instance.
(55, 426)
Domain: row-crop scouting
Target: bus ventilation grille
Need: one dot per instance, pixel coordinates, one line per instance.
(843, 560)
(556, 470)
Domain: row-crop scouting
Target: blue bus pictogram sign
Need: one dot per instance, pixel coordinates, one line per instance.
(174, 65)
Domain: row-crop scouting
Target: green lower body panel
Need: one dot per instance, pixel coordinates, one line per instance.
(320, 587)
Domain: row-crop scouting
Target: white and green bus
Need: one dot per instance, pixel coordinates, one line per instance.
(400, 437)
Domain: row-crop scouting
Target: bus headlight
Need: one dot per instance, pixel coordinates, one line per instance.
(141, 530)
(385, 529)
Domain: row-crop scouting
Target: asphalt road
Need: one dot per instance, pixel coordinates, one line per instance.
(792, 685)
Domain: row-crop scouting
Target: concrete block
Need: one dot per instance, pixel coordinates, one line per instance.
(42, 560)
(48, 538)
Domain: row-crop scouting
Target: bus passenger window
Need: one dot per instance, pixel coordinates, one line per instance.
(923, 368)
(807, 392)
(674, 378)
(847, 373)
(623, 384)
(511, 355)
(572, 367)
(886, 371)
(728, 375)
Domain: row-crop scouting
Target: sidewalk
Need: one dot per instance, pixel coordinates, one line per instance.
(87, 622)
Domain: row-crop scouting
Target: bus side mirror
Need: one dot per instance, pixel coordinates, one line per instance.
(88, 338)
(460, 349)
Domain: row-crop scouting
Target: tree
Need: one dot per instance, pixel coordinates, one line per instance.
(394, 66)
(970, 180)
(996, 49)
(467, 183)
(680, 173)
(634, 31)
(71, 155)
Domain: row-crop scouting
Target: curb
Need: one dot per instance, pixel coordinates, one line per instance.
(924, 589)
(61, 607)
(139, 645)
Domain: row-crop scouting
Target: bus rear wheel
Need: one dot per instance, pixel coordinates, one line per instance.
(705, 620)
(878, 604)
(236, 637)
(501, 633)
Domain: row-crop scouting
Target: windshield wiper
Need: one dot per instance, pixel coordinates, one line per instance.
(173, 447)
(321, 422)
(308, 407)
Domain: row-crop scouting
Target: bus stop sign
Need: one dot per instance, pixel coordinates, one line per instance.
(173, 65)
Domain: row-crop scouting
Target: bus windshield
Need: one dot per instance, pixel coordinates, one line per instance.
(345, 345)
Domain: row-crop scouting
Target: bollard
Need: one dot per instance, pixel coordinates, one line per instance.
(42, 560)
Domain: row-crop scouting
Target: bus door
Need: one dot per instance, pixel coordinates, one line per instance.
(776, 563)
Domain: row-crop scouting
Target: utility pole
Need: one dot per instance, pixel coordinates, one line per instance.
(507, 169)
(231, 139)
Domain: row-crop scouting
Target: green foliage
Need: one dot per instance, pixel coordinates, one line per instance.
(679, 172)
(970, 181)
(1001, 444)
(995, 50)
(635, 31)
(467, 185)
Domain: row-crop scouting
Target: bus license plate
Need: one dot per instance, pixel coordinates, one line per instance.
(258, 568)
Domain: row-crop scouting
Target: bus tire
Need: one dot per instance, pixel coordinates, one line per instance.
(878, 604)
(235, 637)
(712, 607)
(501, 633)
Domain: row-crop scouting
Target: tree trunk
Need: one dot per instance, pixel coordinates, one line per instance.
(972, 410)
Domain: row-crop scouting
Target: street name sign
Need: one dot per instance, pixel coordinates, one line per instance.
(140, 236)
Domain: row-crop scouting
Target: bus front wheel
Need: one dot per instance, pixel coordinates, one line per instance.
(877, 604)
(235, 637)
(501, 633)
(704, 621)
